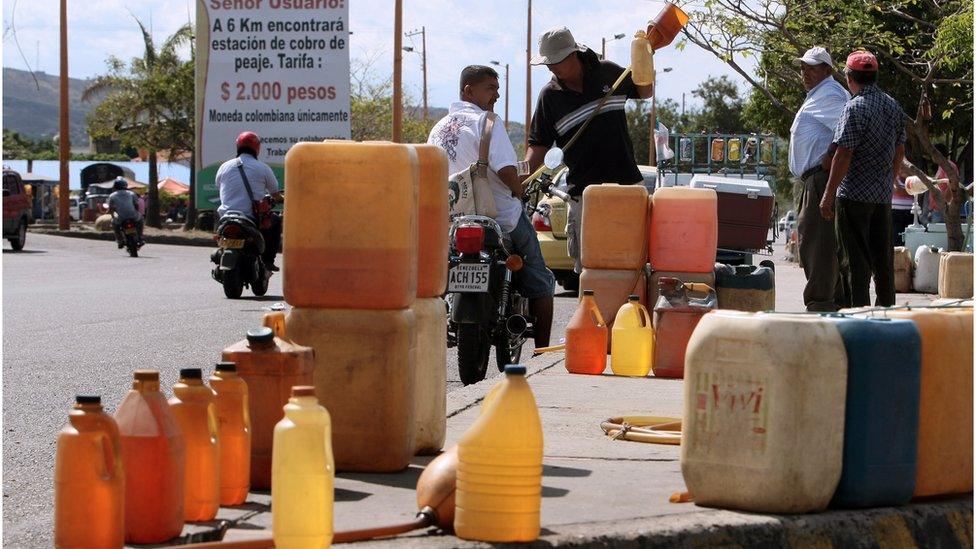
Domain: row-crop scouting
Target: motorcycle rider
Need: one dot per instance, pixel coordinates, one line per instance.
(262, 181)
(123, 205)
(459, 134)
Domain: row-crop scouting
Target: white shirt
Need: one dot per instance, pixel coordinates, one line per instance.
(459, 134)
(233, 195)
(813, 128)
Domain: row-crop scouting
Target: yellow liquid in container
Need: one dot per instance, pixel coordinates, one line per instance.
(611, 287)
(350, 225)
(499, 477)
(614, 227)
(303, 474)
(194, 407)
(632, 349)
(430, 393)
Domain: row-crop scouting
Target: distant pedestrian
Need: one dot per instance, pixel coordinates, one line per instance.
(870, 140)
(810, 138)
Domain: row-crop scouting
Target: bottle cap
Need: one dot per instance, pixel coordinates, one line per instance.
(634, 297)
(146, 375)
(587, 292)
(260, 335)
(88, 399)
(302, 391)
(226, 367)
(515, 370)
(191, 373)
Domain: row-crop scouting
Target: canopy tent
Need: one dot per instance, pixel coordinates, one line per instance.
(133, 185)
(173, 186)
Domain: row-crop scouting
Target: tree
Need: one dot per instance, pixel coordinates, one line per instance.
(638, 120)
(145, 105)
(371, 108)
(924, 47)
(722, 107)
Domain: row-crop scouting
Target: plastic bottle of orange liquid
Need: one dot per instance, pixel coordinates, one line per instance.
(499, 478)
(195, 410)
(153, 453)
(302, 474)
(89, 480)
(633, 340)
(234, 426)
(586, 338)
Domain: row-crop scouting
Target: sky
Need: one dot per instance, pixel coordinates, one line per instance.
(459, 33)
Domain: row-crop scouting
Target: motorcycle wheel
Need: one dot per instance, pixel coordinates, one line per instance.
(260, 286)
(130, 244)
(473, 349)
(505, 353)
(233, 285)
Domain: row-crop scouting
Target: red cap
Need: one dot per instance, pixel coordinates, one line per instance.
(249, 139)
(862, 61)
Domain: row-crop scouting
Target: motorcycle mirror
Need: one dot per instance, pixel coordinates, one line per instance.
(554, 158)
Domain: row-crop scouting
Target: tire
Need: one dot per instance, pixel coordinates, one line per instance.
(260, 286)
(130, 244)
(233, 285)
(17, 242)
(505, 354)
(473, 349)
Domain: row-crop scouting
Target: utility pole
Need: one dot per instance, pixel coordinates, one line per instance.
(506, 90)
(528, 75)
(64, 140)
(397, 71)
(423, 59)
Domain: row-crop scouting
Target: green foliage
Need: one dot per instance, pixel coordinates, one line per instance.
(953, 47)
(721, 110)
(19, 147)
(371, 115)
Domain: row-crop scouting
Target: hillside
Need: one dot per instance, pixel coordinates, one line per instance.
(33, 112)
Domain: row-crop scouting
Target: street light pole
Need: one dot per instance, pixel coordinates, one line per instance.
(64, 141)
(528, 75)
(397, 72)
(603, 48)
(423, 60)
(506, 90)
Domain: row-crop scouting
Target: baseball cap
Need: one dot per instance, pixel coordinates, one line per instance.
(814, 56)
(555, 45)
(862, 61)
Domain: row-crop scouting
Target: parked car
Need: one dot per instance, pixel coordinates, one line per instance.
(549, 220)
(784, 222)
(16, 209)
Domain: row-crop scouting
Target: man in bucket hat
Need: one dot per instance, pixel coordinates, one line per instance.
(603, 153)
(870, 146)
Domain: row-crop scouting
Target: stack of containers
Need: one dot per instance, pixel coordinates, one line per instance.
(614, 245)
(350, 272)
(683, 237)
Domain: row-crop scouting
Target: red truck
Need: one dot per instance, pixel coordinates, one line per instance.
(16, 209)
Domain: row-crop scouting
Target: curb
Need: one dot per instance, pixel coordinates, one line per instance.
(470, 396)
(172, 240)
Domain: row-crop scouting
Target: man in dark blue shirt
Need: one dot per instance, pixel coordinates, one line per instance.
(870, 145)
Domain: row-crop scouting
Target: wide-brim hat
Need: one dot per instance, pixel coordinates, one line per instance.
(555, 45)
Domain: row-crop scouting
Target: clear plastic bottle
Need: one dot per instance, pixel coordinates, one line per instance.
(641, 60)
(633, 340)
(89, 480)
(154, 455)
(194, 408)
(586, 338)
(234, 425)
(302, 474)
(499, 478)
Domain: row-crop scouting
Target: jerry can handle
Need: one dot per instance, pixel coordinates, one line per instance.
(595, 312)
(645, 316)
(109, 453)
(698, 287)
(276, 321)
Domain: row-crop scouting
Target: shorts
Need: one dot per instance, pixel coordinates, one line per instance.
(534, 279)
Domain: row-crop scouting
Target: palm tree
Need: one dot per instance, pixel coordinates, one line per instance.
(141, 106)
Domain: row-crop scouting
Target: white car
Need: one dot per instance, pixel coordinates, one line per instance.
(786, 220)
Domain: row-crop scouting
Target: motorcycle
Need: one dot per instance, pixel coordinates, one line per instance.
(130, 235)
(238, 255)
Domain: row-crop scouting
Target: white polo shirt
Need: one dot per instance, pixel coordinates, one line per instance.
(813, 128)
(459, 134)
(233, 195)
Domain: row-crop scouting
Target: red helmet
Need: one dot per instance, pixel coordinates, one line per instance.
(249, 140)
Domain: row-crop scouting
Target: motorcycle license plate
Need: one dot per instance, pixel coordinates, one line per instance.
(130, 230)
(232, 243)
(468, 277)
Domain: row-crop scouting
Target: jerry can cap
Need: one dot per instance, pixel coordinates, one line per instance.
(146, 375)
(88, 399)
(191, 373)
(587, 292)
(225, 367)
(633, 297)
(260, 335)
(302, 391)
(515, 370)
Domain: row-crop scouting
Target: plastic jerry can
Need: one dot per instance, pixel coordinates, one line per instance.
(683, 230)
(611, 288)
(586, 338)
(641, 60)
(432, 223)
(654, 282)
(945, 420)
(633, 340)
(718, 149)
(614, 227)
(270, 364)
(668, 23)
(234, 425)
(304, 474)
(956, 275)
(154, 454)
(766, 150)
(368, 389)
(903, 270)
(333, 259)
(89, 480)
(499, 476)
(927, 260)
(676, 316)
(430, 380)
(881, 418)
(193, 405)
(748, 288)
(735, 149)
(763, 421)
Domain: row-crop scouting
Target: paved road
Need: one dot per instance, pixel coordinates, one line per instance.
(78, 317)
